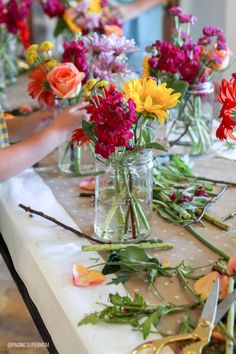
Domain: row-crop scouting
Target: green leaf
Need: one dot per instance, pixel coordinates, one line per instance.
(111, 268)
(148, 134)
(186, 325)
(152, 320)
(133, 259)
(149, 146)
(60, 27)
(92, 318)
(88, 129)
(120, 279)
(178, 85)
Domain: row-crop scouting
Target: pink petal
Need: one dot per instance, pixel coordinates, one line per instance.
(88, 184)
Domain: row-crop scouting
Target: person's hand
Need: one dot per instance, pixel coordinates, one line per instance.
(38, 120)
(124, 12)
(68, 120)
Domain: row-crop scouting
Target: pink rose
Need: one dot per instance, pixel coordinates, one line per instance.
(65, 80)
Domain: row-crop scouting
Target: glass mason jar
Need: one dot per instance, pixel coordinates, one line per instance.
(123, 197)
(10, 60)
(3, 97)
(190, 125)
(73, 159)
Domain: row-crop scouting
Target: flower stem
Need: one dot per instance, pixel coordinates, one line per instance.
(207, 243)
(214, 220)
(118, 246)
(230, 321)
(217, 181)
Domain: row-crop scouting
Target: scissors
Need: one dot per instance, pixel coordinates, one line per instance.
(201, 335)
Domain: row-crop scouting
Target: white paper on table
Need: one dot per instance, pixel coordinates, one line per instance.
(43, 255)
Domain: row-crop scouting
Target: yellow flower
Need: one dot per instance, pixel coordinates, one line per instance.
(150, 97)
(31, 56)
(32, 47)
(45, 46)
(51, 64)
(101, 84)
(70, 23)
(90, 84)
(146, 67)
(94, 7)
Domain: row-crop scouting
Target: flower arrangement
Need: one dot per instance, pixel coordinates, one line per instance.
(188, 67)
(118, 128)
(51, 81)
(107, 57)
(227, 98)
(13, 14)
(84, 16)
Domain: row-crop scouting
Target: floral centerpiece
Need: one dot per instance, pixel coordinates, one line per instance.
(13, 26)
(84, 16)
(188, 67)
(60, 85)
(227, 98)
(123, 143)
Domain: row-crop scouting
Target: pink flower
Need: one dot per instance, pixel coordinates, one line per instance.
(75, 52)
(53, 8)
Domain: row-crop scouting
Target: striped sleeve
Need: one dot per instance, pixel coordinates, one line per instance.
(3, 132)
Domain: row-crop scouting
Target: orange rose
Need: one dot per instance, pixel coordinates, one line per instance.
(220, 58)
(109, 29)
(65, 80)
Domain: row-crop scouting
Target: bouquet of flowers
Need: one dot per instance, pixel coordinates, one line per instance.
(188, 67)
(118, 128)
(13, 26)
(107, 57)
(84, 16)
(227, 98)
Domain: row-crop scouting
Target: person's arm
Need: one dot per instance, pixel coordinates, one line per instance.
(20, 128)
(132, 10)
(17, 157)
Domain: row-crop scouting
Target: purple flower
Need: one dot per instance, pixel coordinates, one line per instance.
(75, 52)
(187, 18)
(204, 41)
(53, 8)
(175, 10)
(211, 31)
(112, 43)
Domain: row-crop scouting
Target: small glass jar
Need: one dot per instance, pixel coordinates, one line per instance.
(123, 198)
(73, 159)
(190, 125)
(10, 60)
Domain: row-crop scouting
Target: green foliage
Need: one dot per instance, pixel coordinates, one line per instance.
(88, 129)
(60, 27)
(134, 260)
(135, 312)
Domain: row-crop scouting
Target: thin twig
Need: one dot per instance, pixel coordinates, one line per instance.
(86, 194)
(212, 201)
(174, 142)
(55, 221)
(230, 216)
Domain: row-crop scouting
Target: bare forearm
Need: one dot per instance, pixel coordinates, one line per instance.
(17, 129)
(145, 5)
(22, 155)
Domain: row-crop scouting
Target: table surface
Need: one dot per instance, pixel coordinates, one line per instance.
(49, 258)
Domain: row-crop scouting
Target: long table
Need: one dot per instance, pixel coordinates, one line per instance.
(42, 254)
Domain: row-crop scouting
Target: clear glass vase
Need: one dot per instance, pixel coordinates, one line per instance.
(10, 60)
(3, 97)
(190, 126)
(123, 198)
(73, 159)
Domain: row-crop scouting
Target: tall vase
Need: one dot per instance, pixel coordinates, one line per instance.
(190, 126)
(123, 198)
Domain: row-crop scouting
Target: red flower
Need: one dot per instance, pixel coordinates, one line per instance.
(227, 98)
(114, 117)
(81, 138)
(36, 87)
(231, 266)
(201, 192)
(24, 33)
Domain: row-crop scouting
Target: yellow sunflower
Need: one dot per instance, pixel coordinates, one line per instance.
(150, 97)
(146, 67)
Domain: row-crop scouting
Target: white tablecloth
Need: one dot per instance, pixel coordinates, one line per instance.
(43, 255)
